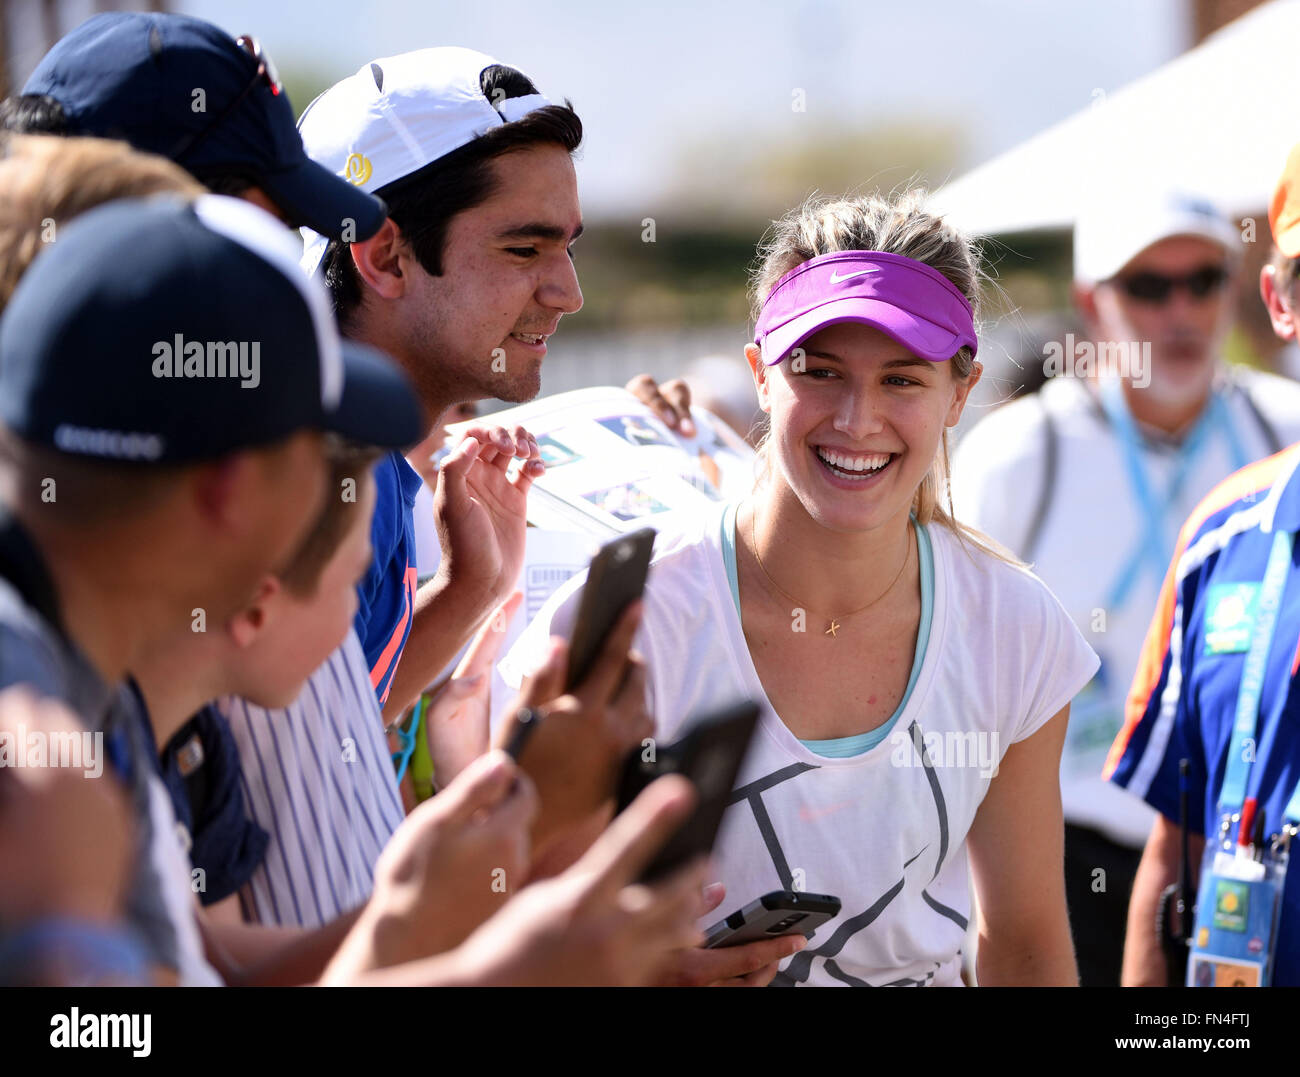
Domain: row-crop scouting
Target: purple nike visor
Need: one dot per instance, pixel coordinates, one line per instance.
(910, 302)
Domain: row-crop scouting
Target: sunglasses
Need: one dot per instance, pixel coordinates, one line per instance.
(265, 73)
(1157, 287)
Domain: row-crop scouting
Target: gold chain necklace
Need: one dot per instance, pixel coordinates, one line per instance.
(833, 625)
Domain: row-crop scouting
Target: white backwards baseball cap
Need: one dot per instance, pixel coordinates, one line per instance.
(1111, 232)
(398, 114)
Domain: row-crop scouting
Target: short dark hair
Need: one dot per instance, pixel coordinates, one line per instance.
(34, 114)
(423, 203)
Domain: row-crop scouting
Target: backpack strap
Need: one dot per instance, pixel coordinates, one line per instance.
(1051, 465)
(1265, 427)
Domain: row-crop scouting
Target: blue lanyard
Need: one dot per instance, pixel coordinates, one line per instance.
(406, 740)
(1153, 548)
(1243, 750)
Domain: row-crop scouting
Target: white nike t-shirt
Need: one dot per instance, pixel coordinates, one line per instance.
(1092, 528)
(884, 830)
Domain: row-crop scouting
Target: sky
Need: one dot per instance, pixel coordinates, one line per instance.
(651, 79)
(648, 78)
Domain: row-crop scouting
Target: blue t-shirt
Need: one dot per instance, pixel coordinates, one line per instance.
(386, 593)
(1184, 696)
(200, 767)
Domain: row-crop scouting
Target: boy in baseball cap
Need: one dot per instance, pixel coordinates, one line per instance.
(462, 286)
(162, 447)
(416, 290)
(399, 114)
(181, 87)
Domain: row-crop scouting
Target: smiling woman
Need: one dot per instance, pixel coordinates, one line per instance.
(866, 239)
(914, 682)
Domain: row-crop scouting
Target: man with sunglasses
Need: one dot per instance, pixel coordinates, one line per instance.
(184, 89)
(1215, 691)
(1090, 478)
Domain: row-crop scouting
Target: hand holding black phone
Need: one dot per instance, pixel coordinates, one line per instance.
(782, 912)
(710, 754)
(615, 580)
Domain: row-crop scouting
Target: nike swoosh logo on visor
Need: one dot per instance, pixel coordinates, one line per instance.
(836, 278)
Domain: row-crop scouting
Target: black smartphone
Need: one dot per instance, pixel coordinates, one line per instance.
(782, 912)
(615, 580)
(710, 754)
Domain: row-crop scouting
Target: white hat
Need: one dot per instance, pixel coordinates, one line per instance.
(1111, 232)
(397, 115)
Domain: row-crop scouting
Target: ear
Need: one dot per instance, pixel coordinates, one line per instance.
(217, 487)
(249, 623)
(262, 200)
(379, 261)
(754, 356)
(1284, 324)
(1085, 302)
(962, 393)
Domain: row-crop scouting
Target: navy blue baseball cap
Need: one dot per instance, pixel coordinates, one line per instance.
(160, 330)
(183, 88)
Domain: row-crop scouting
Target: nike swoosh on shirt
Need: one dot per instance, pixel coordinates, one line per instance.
(808, 814)
(836, 278)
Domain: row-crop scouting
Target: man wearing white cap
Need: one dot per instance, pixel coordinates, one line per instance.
(1090, 478)
(462, 286)
(324, 788)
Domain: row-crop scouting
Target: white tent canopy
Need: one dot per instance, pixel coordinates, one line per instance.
(1219, 121)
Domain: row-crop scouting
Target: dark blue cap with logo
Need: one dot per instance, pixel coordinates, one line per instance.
(160, 330)
(183, 88)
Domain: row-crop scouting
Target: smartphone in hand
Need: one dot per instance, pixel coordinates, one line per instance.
(710, 754)
(782, 912)
(615, 580)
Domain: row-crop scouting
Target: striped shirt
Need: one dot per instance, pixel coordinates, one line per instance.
(1183, 701)
(318, 778)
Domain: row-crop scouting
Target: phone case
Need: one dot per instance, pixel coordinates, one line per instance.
(782, 912)
(615, 580)
(710, 754)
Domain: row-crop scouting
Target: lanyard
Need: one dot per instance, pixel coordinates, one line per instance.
(1153, 550)
(1243, 750)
